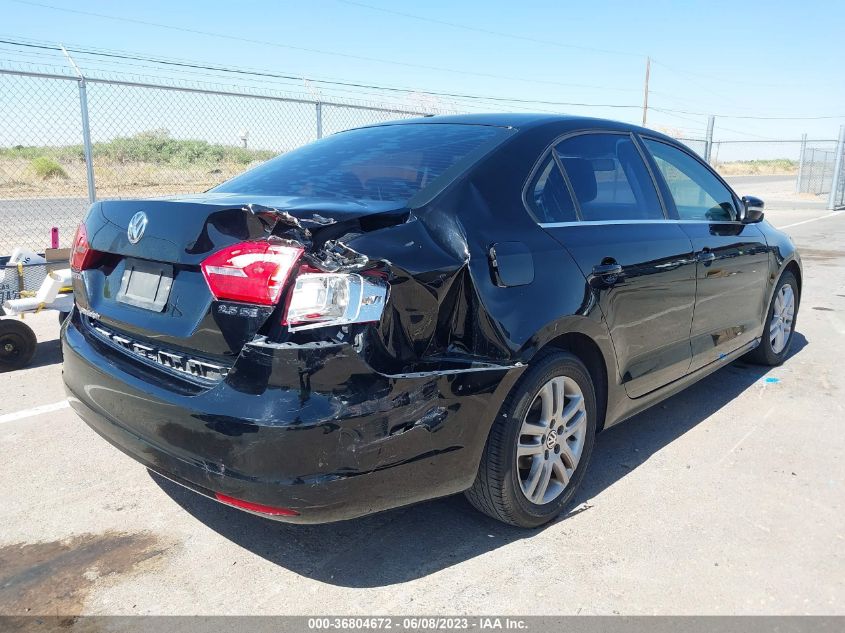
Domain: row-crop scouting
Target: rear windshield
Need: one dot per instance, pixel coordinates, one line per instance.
(387, 163)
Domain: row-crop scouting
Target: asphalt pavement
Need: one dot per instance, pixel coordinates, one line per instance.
(726, 499)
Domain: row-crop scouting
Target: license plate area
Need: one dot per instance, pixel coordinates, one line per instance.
(146, 284)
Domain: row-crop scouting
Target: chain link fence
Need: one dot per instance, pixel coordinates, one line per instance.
(764, 168)
(150, 141)
(154, 139)
(42, 167)
(698, 145)
(799, 169)
(817, 172)
(145, 140)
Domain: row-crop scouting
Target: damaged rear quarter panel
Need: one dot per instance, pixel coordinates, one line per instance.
(445, 312)
(444, 301)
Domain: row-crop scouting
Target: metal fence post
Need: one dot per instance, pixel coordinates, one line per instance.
(319, 108)
(86, 141)
(708, 141)
(837, 182)
(86, 129)
(801, 162)
(812, 167)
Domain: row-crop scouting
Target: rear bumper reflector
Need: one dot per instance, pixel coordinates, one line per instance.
(255, 507)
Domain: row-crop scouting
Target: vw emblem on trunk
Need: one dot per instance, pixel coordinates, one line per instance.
(137, 226)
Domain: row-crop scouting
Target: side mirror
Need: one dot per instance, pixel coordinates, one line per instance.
(752, 210)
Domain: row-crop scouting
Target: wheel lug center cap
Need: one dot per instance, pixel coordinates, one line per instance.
(9, 347)
(551, 440)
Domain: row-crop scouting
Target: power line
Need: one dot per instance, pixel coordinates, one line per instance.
(465, 101)
(185, 67)
(342, 83)
(253, 83)
(546, 42)
(466, 27)
(366, 86)
(97, 51)
(756, 118)
(720, 127)
(721, 80)
(302, 48)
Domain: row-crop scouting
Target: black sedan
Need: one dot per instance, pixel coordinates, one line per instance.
(415, 309)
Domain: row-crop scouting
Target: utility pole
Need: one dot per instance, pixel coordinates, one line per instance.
(645, 89)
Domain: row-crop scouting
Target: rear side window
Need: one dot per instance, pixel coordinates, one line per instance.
(697, 193)
(386, 163)
(548, 196)
(609, 178)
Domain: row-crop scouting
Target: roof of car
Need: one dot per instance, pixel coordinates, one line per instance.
(523, 121)
(502, 119)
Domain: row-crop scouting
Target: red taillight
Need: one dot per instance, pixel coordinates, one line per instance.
(254, 272)
(255, 507)
(82, 256)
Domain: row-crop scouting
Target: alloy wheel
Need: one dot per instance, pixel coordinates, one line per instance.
(783, 314)
(551, 440)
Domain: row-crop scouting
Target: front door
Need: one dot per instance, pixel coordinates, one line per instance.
(732, 257)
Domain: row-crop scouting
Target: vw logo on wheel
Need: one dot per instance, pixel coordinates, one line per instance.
(137, 226)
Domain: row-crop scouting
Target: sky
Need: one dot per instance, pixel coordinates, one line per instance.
(731, 59)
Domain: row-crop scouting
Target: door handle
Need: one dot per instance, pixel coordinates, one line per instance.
(706, 256)
(607, 270)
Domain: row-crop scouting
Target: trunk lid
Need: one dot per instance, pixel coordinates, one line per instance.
(152, 292)
(187, 229)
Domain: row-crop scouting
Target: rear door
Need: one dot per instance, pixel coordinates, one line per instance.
(638, 264)
(732, 257)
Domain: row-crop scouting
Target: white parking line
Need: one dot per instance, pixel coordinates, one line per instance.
(28, 413)
(821, 217)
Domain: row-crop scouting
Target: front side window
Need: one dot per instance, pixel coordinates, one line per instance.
(609, 178)
(698, 194)
(549, 198)
(384, 163)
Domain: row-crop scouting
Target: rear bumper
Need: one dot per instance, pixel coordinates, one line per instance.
(313, 429)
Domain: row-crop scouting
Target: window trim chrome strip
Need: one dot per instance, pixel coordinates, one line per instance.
(556, 225)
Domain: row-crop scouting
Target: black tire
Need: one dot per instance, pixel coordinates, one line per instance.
(763, 354)
(496, 490)
(17, 344)
(62, 317)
